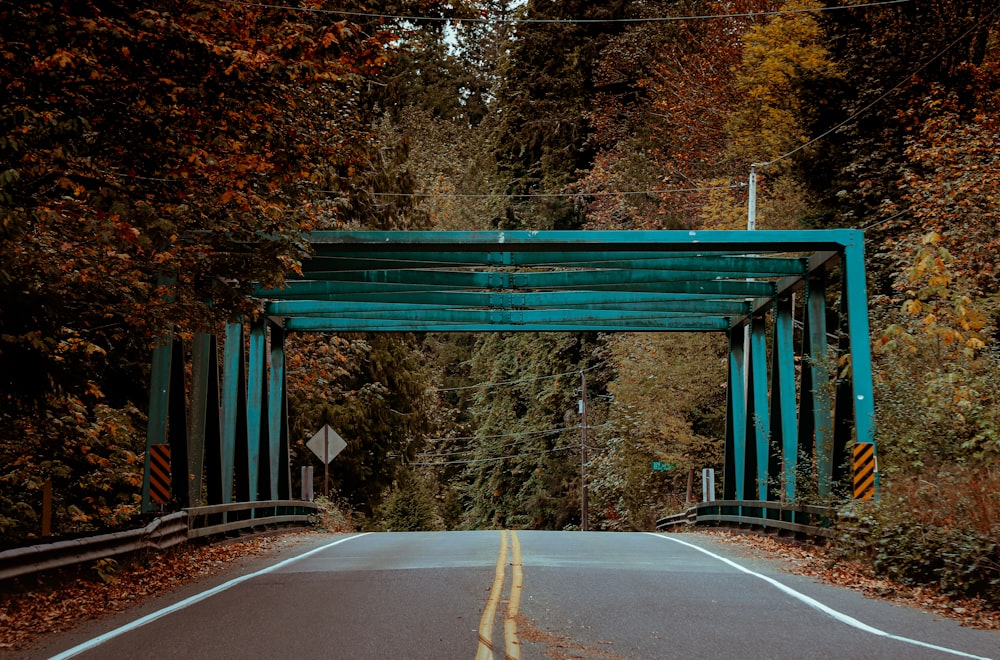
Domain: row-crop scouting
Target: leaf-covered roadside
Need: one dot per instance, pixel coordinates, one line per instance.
(57, 603)
(826, 565)
(59, 606)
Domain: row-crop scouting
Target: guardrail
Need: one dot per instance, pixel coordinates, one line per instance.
(799, 518)
(222, 518)
(162, 533)
(688, 517)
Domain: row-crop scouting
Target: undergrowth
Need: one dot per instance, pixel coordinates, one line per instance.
(940, 528)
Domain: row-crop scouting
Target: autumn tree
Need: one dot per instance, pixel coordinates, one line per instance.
(372, 390)
(943, 311)
(155, 162)
(890, 58)
(542, 140)
(665, 90)
(667, 405)
(785, 67)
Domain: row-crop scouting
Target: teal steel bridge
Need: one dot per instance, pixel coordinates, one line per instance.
(231, 443)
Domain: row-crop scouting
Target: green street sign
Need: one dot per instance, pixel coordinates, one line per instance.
(663, 467)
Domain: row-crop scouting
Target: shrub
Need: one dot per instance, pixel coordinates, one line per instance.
(940, 529)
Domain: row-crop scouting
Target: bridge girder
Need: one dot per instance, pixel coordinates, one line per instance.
(734, 282)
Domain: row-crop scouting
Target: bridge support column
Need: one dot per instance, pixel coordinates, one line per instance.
(167, 422)
(816, 430)
(279, 472)
(159, 397)
(784, 440)
(205, 434)
(860, 346)
(736, 428)
(258, 449)
(758, 415)
(201, 347)
(233, 444)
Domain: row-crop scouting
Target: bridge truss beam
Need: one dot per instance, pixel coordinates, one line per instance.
(790, 414)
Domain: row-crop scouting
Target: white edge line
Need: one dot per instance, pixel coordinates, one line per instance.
(812, 602)
(149, 618)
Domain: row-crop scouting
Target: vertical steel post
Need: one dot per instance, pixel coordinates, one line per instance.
(784, 420)
(818, 394)
(159, 393)
(775, 460)
(736, 427)
(855, 291)
(177, 425)
(256, 410)
(760, 414)
(201, 349)
(326, 460)
(277, 422)
(213, 426)
(584, 509)
(232, 374)
(859, 334)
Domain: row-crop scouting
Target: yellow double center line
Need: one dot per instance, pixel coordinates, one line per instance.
(513, 649)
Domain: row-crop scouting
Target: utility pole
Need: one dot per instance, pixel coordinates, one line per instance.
(751, 226)
(584, 514)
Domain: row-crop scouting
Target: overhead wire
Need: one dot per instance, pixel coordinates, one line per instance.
(514, 20)
(527, 436)
(494, 459)
(352, 14)
(515, 382)
(664, 191)
(523, 434)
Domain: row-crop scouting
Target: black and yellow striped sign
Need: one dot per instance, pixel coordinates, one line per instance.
(159, 473)
(864, 471)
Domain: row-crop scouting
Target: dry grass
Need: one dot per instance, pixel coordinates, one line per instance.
(953, 496)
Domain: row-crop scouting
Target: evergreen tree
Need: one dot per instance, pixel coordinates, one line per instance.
(543, 132)
(525, 467)
(373, 391)
(410, 505)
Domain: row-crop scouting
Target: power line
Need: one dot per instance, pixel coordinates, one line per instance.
(527, 435)
(513, 382)
(574, 21)
(523, 434)
(665, 191)
(879, 223)
(495, 459)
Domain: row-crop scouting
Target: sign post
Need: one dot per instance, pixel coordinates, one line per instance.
(708, 485)
(307, 483)
(326, 444)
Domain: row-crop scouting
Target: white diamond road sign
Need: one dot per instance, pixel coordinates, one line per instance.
(326, 444)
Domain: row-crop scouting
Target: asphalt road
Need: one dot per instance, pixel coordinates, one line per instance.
(520, 594)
